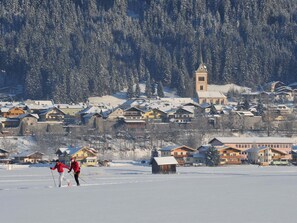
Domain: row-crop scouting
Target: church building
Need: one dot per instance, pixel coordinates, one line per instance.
(201, 87)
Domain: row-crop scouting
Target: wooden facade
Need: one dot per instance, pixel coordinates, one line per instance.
(84, 155)
(164, 165)
(180, 153)
(133, 113)
(230, 156)
(52, 114)
(29, 157)
(3, 154)
(244, 143)
(13, 112)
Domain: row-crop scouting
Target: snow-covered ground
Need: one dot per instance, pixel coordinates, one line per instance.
(130, 193)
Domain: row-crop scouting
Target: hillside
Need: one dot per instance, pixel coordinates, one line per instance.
(70, 50)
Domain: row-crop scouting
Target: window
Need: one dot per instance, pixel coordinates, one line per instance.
(201, 87)
(201, 78)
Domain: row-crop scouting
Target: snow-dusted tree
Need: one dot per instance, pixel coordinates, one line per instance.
(160, 90)
(212, 157)
(148, 87)
(137, 90)
(260, 107)
(246, 104)
(130, 91)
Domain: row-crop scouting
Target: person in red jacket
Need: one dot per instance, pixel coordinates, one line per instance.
(60, 168)
(76, 169)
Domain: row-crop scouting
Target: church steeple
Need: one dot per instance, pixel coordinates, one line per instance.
(201, 75)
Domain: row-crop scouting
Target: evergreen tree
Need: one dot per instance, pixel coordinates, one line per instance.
(148, 87)
(153, 87)
(212, 157)
(130, 91)
(260, 108)
(101, 46)
(137, 90)
(246, 104)
(160, 90)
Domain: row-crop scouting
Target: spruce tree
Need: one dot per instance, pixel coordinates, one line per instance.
(246, 104)
(137, 90)
(260, 108)
(130, 91)
(212, 157)
(160, 90)
(148, 87)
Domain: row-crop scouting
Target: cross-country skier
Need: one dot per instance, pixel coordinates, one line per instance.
(60, 168)
(76, 170)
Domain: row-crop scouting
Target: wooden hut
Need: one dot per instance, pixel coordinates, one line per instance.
(164, 165)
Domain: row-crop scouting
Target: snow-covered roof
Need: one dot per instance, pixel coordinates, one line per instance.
(3, 119)
(5, 109)
(27, 153)
(251, 140)
(37, 107)
(227, 87)
(26, 115)
(189, 109)
(49, 110)
(73, 150)
(245, 113)
(70, 106)
(258, 149)
(134, 121)
(169, 148)
(46, 103)
(3, 151)
(165, 160)
(89, 115)
(91, 109)
(210, 94)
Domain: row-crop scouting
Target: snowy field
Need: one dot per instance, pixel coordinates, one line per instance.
(130, 193)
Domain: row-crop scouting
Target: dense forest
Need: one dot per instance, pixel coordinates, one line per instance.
(69, 50)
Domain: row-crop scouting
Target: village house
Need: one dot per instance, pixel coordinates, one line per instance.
(228, 155)
(29, 157)
(38, 106)
(135, 126)
(133, 113)
(115, 115)
(3, 154)
(92, 120)
(155, 114)
(164, 165)
(70, 111)
(181, 153)
(246, 120)
(11, 112)
(28, 123)
(86, 113)
(86, 156)
(184, 115)
(52, 114)
(259, 155)
(244, 143)
(4, 157)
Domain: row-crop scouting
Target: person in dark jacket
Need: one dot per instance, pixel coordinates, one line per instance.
(60, 168)
(76, 169)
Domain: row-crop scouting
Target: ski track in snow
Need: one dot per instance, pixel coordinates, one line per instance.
(134, 194)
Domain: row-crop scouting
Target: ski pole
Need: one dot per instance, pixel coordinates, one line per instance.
(78, 177)
(53, 178)
(82, 179)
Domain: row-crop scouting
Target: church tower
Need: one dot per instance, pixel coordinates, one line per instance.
(201, 77)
